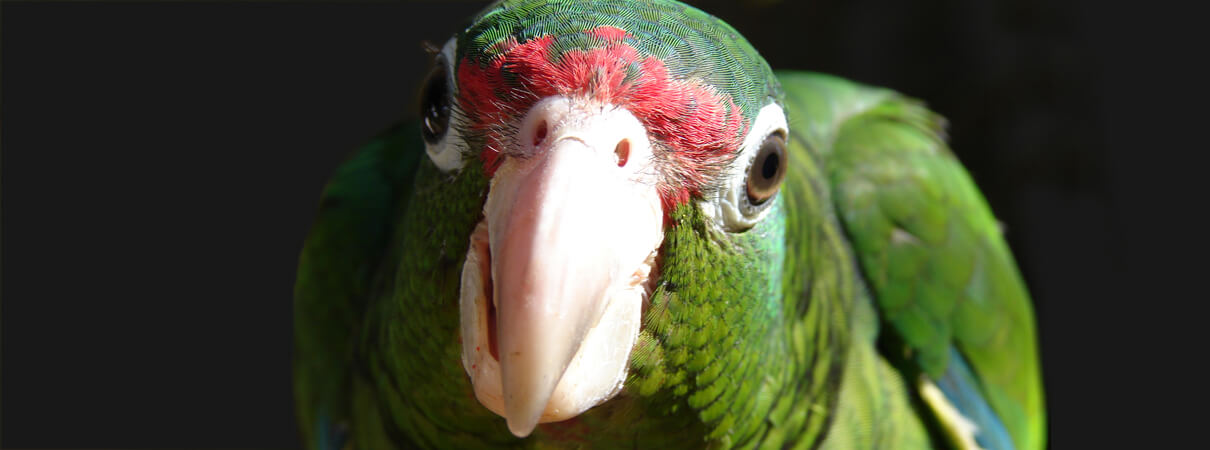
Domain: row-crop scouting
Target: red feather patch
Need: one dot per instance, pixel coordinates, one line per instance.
(700, 128)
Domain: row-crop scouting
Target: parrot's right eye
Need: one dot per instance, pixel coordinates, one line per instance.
(435, 105)
(439, 118)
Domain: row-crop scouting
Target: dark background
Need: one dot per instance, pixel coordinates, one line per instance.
(162, 163)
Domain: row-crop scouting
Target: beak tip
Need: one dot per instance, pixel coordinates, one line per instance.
(522, 428)
(523, 410)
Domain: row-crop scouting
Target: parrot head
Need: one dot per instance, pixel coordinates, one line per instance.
(602, 128)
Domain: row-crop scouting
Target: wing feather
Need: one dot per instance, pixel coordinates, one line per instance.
(944, 281)
(337, 268)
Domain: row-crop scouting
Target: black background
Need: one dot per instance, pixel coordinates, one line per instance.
(162, 162)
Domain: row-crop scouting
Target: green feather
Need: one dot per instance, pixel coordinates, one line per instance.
(879, 261)
(337, 271)
(927, 243)
(691, 43)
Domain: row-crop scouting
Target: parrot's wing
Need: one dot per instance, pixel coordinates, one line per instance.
(953, 306)
(337, 274)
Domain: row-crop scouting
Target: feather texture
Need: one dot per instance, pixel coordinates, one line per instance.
(878, 263)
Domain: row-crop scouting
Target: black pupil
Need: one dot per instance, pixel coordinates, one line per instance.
(435, 107)
(769, 168)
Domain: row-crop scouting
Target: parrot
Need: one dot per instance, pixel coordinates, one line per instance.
(614, 225)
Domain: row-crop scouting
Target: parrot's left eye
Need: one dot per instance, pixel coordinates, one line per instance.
(768, 169)
(750, 185)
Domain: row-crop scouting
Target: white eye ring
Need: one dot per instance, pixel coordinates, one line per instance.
(728, 206)
(446, 153)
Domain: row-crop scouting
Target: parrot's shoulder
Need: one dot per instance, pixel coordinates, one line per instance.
(953, 308)
(354, 220)
(338, 269)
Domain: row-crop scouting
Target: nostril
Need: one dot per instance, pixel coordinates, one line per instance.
(623, 152)
(539, 133)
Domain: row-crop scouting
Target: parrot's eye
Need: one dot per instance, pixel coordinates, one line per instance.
(751, 183)
(439, 116)
(768, 169)
(435, 105)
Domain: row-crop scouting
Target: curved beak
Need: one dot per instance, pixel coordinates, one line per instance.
(573, 224)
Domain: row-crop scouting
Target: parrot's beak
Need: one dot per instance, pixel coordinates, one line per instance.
(557, 273)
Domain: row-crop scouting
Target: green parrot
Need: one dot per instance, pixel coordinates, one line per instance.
(615, 226)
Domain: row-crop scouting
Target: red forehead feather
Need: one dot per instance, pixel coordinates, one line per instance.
(699, 127)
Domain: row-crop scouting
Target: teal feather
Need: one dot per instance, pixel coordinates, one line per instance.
(962, 388)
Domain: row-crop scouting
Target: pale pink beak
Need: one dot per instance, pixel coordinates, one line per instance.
(573, 222)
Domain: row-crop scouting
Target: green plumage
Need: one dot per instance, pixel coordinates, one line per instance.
(685, 38)
(878, 261)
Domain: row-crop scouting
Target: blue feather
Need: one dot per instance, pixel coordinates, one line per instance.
(961, 388)
(331, 435)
